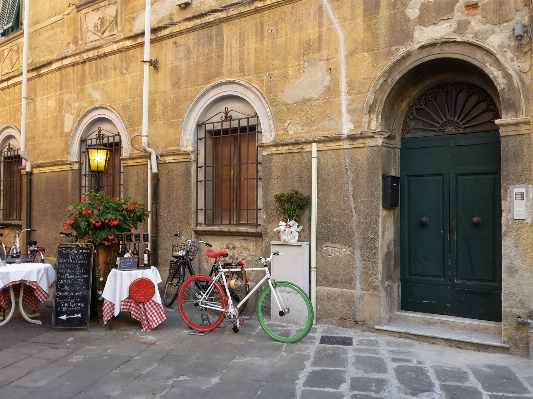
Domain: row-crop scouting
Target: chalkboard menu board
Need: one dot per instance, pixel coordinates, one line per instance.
(128, 263)
(73, 286)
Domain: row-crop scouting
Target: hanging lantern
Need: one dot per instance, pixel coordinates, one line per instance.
(98, 155)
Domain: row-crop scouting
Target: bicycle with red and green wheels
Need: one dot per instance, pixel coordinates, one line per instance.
(181, 263)
(283, 309)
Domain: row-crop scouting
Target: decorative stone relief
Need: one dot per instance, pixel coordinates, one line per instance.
(10, 59)
(100, 23)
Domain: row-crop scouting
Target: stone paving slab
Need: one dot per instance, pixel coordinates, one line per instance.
(170, 363)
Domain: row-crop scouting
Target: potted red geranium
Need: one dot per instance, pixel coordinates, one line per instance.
(98, 219)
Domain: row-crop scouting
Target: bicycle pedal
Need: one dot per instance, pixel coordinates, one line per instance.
(197, 333)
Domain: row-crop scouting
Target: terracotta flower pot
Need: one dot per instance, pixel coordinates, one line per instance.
(106, 259)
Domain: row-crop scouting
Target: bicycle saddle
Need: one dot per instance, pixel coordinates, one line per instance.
(32, 243)
(230, 264)
(215, 254)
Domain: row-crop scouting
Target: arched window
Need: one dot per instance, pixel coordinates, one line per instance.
(11, 180)
(109, 180)
(228, 169)
(224, 126)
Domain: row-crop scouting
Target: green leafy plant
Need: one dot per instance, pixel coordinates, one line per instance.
(291, 205)
(98, 218)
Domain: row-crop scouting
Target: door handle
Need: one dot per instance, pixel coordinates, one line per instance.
(424, 220)
(476, 221)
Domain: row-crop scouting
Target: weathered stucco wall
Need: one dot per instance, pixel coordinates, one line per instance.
(338, 72)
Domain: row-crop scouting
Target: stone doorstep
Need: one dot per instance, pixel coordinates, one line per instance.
(457, 323)
(452, 331)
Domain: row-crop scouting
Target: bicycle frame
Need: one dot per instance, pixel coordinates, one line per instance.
(3, 248)
(222, 274)
(185, 263)
(15, 248)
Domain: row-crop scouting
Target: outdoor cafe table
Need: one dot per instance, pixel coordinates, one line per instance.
(117, 298)
(29, 281)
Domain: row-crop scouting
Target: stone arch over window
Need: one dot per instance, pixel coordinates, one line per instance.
(224, 125)
(104, 120)
(217, 96)
(416, 70)
(10, 174)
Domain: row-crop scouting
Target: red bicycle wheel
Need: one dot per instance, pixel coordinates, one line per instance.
(201, 304)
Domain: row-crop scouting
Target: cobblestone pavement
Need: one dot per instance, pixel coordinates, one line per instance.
(169, 362)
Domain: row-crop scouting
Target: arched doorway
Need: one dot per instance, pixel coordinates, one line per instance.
(450, 210)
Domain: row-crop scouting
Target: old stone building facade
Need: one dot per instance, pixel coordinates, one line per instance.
(437, 93)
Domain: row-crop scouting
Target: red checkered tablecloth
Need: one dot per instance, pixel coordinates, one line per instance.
(150, 314)
(32, 296)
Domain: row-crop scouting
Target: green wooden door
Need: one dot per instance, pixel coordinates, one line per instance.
(450, 225)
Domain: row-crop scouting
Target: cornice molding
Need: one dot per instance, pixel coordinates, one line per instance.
(125, 43)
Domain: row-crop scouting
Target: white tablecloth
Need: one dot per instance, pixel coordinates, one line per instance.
(118, 283)
(42, 273)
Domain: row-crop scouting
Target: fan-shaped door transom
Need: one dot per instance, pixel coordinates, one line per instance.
(451, 108)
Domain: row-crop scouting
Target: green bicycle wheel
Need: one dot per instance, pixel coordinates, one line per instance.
(294, 321)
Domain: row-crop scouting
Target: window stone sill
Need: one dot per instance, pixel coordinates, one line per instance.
(229, 231)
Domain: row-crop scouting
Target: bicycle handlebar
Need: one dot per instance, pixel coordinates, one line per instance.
(178, 234)
(265, 260)
(22, 231)
(69, 234)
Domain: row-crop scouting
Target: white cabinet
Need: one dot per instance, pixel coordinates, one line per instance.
(293, 265)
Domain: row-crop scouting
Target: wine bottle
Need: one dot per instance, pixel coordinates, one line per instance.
(141, 257)
(135, 250)
(119, 253)
(146, 256)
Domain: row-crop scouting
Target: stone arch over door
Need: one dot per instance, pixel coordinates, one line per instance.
(388, 98)
(404, 80)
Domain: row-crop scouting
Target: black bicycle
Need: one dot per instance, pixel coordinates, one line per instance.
(182, 256)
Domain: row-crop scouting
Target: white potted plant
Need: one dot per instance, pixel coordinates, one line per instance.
(293, 266)
(291, 206)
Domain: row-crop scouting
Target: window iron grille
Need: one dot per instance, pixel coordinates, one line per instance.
(228, 178)
(110, 180)
(11, 184)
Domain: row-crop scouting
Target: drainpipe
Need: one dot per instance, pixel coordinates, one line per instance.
(24, 101)
(522, 320)
(314, 207)
(153, 178)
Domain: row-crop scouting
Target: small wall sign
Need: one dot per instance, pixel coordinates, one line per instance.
(128, 263)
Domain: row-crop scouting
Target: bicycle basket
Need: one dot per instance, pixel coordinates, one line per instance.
(179, 250)
(174, 263)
